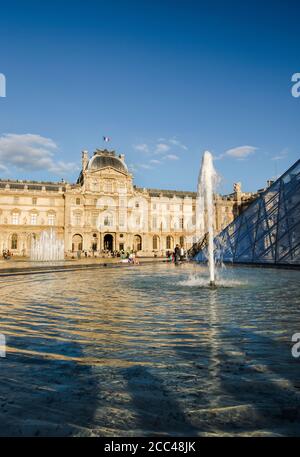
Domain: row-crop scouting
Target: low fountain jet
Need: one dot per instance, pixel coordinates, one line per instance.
(48, 247)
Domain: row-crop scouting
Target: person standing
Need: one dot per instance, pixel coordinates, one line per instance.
(181, 253)
(177, 253)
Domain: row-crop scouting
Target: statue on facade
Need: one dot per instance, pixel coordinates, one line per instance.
(237, 187)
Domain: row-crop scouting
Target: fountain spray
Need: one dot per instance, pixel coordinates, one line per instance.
(48, 247)
(206, 181)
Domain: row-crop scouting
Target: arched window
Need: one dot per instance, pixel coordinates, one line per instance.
(14, 241)
(155, 242)
(77, 242)
(137, 245)
(94, 242)
(169, 242)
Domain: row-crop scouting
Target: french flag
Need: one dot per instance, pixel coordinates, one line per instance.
(106, 139)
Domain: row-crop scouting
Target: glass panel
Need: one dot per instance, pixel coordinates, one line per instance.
(269, 226)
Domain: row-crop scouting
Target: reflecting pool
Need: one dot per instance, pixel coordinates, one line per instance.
(148, 350)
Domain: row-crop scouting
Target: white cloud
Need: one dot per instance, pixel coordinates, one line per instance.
(161, 148)
(281, 155)
(145, 166)
(30, 152)
(240, 152)
(178, 143)
(171, 157)
(132, 168)
(3, 168)
(143, 147)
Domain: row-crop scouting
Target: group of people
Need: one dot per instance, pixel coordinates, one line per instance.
(6, 254)
(126, 256)
(130, 257)
(104, 253)
(178, 255)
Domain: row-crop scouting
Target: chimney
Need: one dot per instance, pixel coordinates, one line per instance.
(85, 159)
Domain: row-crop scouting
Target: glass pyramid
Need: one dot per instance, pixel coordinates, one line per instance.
(268, 231)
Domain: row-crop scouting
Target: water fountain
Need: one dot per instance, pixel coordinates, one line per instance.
(47, 247)
(206, 210)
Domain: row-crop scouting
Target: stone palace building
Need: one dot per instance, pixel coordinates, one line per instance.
(104, 210)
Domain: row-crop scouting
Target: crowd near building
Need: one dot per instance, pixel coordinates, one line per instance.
(105, 212)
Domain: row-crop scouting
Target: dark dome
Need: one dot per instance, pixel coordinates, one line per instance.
(102, 160)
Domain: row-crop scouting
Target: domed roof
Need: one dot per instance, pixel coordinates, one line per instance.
(102, 159)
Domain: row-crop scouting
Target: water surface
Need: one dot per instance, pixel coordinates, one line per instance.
(150, 350)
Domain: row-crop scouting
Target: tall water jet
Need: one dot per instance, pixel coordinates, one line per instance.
(47, 247)
(206, 208)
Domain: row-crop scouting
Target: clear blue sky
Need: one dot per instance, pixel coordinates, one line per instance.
(164, 80)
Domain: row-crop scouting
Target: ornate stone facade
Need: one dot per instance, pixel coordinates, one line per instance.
(104, 210)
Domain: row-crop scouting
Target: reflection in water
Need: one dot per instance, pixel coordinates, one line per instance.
(130, 351)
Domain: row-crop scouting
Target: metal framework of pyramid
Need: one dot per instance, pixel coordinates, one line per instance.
(268, 231)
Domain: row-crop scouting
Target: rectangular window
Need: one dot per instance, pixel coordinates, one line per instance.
(121, 220)
(154, 222)
(15, 218)
(33, 219)
(51, 219)
(34, 201)
(94, 219)
(77, 219)
(77, 201)
(108, 187)
(122, 187)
